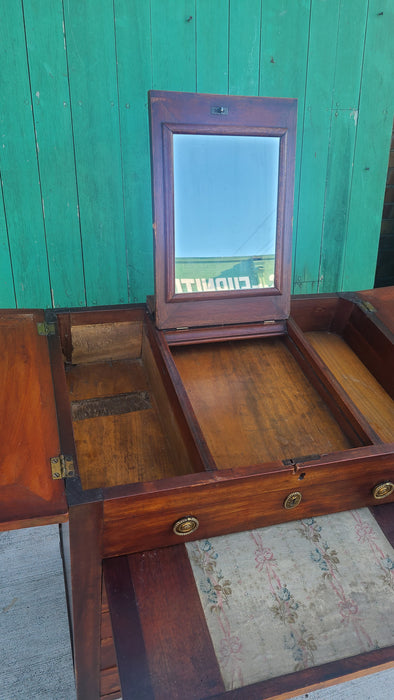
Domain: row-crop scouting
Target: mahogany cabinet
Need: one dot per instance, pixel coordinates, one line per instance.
(218, 407)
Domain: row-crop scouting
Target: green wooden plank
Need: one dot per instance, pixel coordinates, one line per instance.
(174, 45)
(283, 64)
(350, 52)
(132, 23)
(315, 146)
(244, 47)
(372, 148)
(18, 164)
(7, 292)
(52, 116)
(212, 28)
(338, 188)
(90, 40)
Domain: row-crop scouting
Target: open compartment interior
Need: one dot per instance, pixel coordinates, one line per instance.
(357, 354)
(254, 403)
(126, 429)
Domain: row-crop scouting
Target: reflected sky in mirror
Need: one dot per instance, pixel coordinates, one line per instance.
(225, 211)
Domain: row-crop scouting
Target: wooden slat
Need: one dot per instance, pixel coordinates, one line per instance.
(21, 184)
(91, 55)
(134, 71)
(181, 658)
(52, 116)
(244, 47)
(337, 196)
(106, 341)
(315, 145)
(374, 129)
(174, 48)
(7, 292)
(129, 642)
(212, 22)
(283, 64)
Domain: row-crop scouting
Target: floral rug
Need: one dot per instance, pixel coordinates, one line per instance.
(288, 597)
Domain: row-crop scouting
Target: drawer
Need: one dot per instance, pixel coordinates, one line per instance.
(258, 614)
(224, 502)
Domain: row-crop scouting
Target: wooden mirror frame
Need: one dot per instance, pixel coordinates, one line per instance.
(192, 113)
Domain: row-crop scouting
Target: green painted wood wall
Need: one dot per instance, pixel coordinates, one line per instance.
(75, 216)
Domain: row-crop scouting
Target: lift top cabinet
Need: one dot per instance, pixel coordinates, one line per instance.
(218, 407)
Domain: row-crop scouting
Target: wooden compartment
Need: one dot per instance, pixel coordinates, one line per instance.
(126, 429)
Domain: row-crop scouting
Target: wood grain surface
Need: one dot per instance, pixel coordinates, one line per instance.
(254, 404)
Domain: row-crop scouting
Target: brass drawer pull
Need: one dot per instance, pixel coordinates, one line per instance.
(292, 500)
(383, 490)
(185, 526)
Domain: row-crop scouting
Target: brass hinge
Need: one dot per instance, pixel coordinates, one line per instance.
(269, 322)
(46, 328)
(62, 467)
(366, 306)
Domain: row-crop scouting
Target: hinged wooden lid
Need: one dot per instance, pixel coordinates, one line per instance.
(223, 181)
(28, 425)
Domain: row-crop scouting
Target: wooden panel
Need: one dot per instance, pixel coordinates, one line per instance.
(134, 70)
(106, 341)
(337, 196)
(244, 47)
(94, 100)
(368, 395)
(173, 45)
(283, 64)
(29, 438)
(241, 499)
(52, 119)
(212, 22)
(372, 148)
(316, 132)
(254, 404)
(7, 292)
(19, 170)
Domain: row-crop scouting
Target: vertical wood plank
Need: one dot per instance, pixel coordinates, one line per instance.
(90, 40)
(343, 130)
(133, 50)
(316, 134)
(212, 28)
(244, 47)
(338, 188)
(7, 292)
(174, 45)
(18, 164)
(283, 63)
(52, 118)
(372, 148)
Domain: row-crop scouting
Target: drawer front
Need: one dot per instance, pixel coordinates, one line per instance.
(241, 502)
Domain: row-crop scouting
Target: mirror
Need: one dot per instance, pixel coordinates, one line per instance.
(225, 212)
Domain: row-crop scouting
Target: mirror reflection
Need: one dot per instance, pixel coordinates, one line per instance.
(225, 211)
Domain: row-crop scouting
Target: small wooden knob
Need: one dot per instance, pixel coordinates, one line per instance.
(383, 490)
(292, 500)
(185, 526)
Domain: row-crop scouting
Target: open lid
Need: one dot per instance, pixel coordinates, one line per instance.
(28, 425)
(223, 182)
